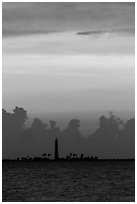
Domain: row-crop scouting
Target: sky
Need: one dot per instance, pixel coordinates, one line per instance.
(68, 57)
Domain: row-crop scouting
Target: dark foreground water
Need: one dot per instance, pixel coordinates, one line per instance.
(69, 181)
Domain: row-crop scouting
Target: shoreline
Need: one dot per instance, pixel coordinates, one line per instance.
(65, 160)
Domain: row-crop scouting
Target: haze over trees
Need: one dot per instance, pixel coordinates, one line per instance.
(112, 139)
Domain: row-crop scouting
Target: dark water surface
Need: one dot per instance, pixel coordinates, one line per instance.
(69, 181)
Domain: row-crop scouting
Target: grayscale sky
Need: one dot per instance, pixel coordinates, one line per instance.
(68, 57)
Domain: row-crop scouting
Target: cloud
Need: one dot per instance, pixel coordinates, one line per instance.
(19, 140)
(48, 17)
(123, 31)
(57, 56)
(68, 43)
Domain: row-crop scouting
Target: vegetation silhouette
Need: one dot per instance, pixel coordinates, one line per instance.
(113, 138)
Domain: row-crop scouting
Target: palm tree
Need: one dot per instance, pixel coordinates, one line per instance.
(81, 156)
(49, 155)
(44, 155)
(74, 155)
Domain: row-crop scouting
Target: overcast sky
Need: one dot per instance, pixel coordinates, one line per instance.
(63, 57)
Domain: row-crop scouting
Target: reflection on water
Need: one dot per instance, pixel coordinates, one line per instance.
(69, 181)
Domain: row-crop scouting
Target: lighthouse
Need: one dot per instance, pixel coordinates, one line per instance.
(56, 156)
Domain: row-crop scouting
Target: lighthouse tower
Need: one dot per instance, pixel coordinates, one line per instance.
(56, 156)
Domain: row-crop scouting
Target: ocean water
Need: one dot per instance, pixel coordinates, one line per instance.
(68, 181)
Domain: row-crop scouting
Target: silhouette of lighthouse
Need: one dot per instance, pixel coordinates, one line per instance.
(56, 156)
